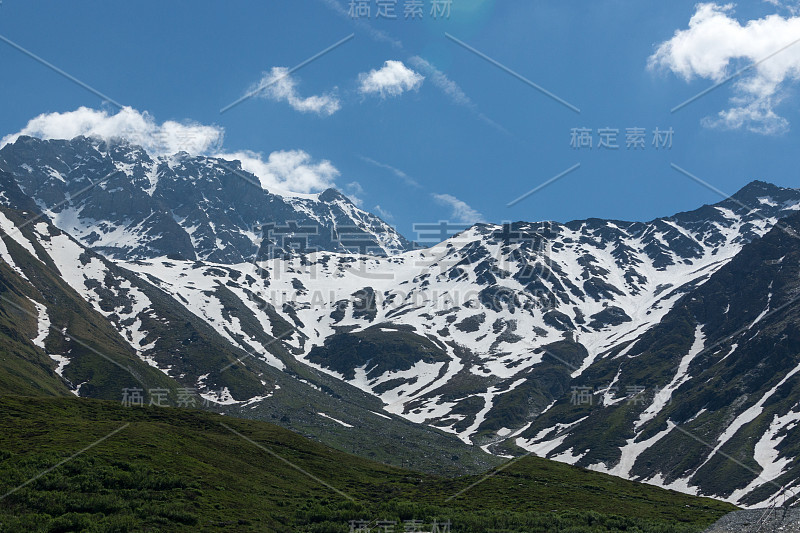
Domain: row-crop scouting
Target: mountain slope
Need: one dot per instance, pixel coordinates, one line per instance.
(486, 307)
(72, 321)
(717, 410)
(53, 340)
(481, 334)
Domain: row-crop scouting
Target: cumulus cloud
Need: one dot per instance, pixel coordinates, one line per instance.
(439, 79)
(292, 171)
(393, 79)
(138, 128)
(716, 44)
(287, 171)
(460, 211)
(278, 85)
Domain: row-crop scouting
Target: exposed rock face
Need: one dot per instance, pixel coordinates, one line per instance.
(756, 520)
(185, 206)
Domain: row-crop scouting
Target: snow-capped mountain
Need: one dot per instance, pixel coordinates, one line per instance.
(708, 400)
(117, 199)
(73, 322)
(490, 335)
(500, 292)
(481, 333)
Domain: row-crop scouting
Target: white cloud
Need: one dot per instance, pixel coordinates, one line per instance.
(354, 191)
(438, 78)
(757, 116)
(280, 86)
(460, 211)
(290, 171)
(451, 89)
(393, 79)
(792, 7)
(287, 171)
(383, 213)
(442, 82)
(716, 44)
(362, 24)
(408, 180)
(138, 128)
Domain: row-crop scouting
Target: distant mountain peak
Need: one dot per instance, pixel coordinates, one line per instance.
(756, 188)
(194, 206)
(331, 195)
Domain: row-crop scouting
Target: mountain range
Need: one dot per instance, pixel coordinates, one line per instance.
(661, 351)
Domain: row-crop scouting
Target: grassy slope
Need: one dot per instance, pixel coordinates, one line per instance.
(99, 355)
(23, 368)
(174, 469)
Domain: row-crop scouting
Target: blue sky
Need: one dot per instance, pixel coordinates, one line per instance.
(466, 131)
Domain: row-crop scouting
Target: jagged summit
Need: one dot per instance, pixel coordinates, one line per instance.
(195, 206)
(332, 195)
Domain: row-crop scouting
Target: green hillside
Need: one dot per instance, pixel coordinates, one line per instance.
(167, 469)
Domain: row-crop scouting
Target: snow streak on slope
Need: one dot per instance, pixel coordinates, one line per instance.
(43, 330)
(197, 288)
(681, 377)
(631, 452)
(748, 416)
(89, 277)
(767, 455)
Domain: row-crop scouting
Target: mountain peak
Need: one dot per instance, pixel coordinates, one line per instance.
(331, 195)
(756, 189)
